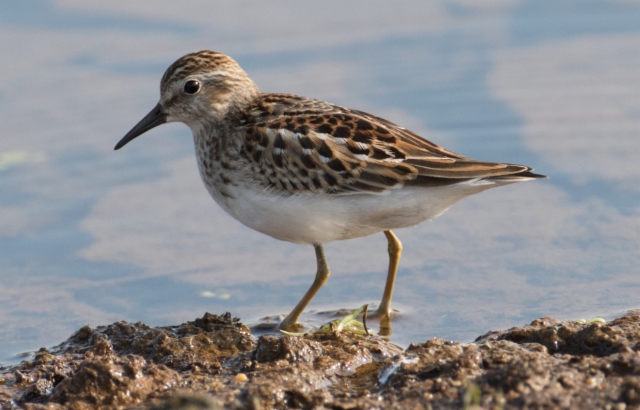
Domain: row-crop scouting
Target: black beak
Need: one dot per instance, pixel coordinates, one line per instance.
(156, 117)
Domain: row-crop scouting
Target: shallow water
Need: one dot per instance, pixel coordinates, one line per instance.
(89, 235)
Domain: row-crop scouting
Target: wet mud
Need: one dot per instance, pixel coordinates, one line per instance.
(214, 362)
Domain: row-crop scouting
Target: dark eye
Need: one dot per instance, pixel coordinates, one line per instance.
(192, 87)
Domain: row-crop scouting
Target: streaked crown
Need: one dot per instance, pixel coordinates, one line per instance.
(218, 85)
(199, 62)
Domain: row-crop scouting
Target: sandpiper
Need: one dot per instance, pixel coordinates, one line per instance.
(308, 171)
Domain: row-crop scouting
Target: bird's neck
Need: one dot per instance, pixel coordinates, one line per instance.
(215, 135)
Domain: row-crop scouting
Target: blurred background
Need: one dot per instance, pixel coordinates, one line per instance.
(91, 236)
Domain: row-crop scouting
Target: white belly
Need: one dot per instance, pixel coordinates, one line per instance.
(316, 218)
(319, 218)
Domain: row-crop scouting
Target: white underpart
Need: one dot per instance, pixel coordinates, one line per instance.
(315, 218)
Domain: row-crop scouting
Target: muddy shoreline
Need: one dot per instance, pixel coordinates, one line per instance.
(215, 362)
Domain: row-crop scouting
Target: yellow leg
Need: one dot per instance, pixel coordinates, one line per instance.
(321, 277)
(395, 250)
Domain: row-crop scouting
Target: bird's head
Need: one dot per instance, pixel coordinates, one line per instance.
(199, 88)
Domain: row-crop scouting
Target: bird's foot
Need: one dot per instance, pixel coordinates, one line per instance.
(290, 325)
(384, 314)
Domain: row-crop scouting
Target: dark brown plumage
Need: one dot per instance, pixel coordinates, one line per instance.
(296, 144)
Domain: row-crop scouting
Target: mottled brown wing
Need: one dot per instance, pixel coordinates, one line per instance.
(432, 160)
(299, 144)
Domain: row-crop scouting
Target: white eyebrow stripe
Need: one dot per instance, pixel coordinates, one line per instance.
(213, 74)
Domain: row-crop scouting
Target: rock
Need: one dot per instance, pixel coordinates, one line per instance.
(113, 381)
(214, 362)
